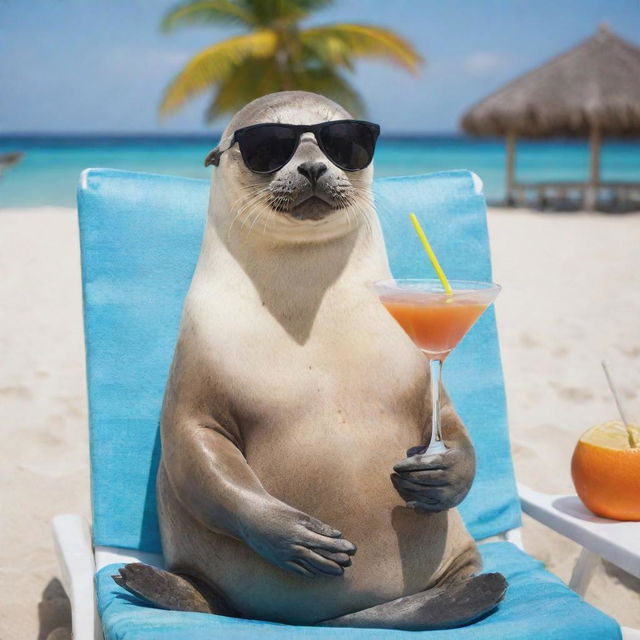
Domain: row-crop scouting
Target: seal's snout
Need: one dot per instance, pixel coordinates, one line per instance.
(312, 171)
(310, 187)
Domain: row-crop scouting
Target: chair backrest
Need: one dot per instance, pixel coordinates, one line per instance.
(140, 238)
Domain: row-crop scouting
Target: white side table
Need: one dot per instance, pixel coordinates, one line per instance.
(615, 541)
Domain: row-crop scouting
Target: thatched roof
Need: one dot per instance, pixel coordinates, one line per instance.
(595, 83)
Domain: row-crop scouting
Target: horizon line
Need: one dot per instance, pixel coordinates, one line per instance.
(180, 134)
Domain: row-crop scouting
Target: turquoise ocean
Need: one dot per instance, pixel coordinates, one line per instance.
(49, 172)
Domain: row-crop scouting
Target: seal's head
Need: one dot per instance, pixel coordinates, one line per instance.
(310, 197)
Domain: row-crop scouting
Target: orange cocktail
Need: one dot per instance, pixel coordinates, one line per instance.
(438, 327)
(436, 321)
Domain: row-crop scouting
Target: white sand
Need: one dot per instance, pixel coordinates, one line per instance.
(571, 297)
(43, 457)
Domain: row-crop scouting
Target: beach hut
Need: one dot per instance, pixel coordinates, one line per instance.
(591, 91)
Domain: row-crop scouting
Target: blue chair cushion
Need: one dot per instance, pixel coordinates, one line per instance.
(537, 606)
(140, 238)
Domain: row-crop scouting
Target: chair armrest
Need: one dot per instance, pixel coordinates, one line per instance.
(614, 541)
(119, 555)
(72, 540)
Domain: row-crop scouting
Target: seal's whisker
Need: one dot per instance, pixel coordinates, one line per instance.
(241, 209)
(367, 211)
(246, 204)
(238, 213)
(253, 214)
(280, 202)
(256, 212)
(264, 226)
(346, 213)
(364, 207)
(260, 213)
(360, 213)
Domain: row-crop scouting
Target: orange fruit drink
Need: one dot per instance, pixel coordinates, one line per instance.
(438, 326)
(606, 470)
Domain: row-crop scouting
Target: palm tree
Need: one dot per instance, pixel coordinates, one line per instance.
(277, 54)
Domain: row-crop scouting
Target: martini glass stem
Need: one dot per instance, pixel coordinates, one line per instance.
(436, 445)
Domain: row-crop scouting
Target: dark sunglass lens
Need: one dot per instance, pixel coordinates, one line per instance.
(350, 145)
(267, 148)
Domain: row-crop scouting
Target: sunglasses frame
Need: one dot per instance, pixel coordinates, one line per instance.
(299, 129)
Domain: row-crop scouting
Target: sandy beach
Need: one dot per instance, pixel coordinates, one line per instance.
(571, 298)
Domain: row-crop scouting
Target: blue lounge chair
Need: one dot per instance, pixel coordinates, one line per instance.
(140, 237)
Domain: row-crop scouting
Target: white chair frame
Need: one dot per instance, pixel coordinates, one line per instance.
(600, 538)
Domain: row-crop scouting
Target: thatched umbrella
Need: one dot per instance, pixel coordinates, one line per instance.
(591, 91)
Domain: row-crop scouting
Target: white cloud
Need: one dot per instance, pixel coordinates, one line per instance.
(482, 63)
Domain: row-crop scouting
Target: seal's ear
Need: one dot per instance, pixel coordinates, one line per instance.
(213, 158)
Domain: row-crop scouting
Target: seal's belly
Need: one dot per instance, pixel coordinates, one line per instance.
(339, 474)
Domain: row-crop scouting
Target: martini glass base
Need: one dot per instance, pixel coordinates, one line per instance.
(436, 448)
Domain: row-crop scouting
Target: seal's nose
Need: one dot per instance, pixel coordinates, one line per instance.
(312, 171)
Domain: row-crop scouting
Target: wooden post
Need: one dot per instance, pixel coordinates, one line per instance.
(511, 159)
(591, 191)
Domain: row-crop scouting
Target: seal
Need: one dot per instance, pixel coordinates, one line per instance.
(293, 485)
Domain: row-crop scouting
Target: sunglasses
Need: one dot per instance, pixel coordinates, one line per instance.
(267, 147)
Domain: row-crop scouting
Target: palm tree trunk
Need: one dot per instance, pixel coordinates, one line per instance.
(284, 59)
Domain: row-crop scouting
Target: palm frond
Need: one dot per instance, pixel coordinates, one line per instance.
(214, 65)
(254, 78)
(249, 80)
(268, 12)
(207, 11)
(339, 44)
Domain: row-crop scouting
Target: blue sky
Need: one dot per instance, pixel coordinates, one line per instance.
(92, 66)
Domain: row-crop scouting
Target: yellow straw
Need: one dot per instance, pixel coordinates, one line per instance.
(430, 253)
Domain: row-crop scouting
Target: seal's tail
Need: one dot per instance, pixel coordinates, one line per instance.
(445, 607)
(171, 591)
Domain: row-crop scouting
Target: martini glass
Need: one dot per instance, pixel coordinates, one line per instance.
(436, 321)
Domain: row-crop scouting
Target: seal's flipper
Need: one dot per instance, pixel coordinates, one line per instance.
(170, 590)
(445, 607)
